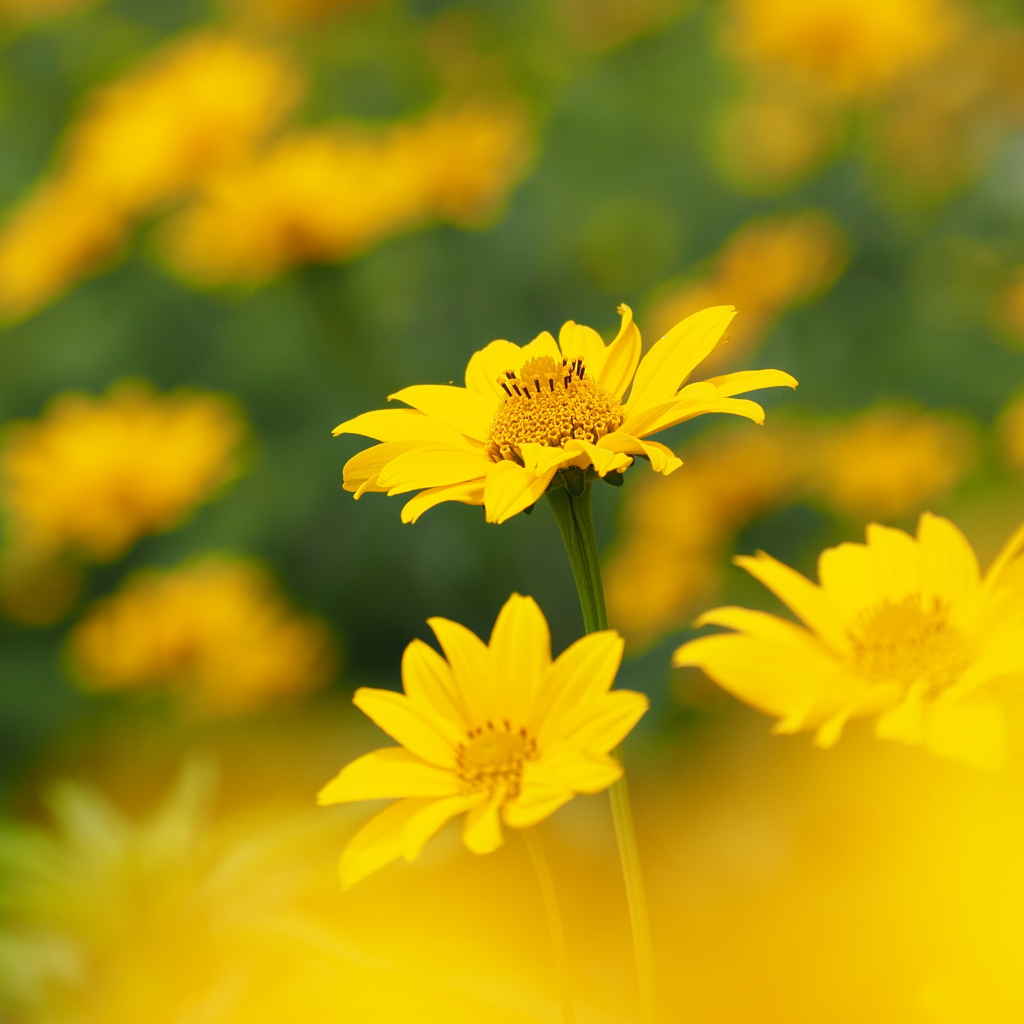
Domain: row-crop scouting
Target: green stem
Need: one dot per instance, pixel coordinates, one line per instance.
(549, 897)
(571, 505)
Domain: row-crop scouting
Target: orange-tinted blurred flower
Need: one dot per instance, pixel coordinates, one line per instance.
(1010, 305)
(889, 462)
(294, 14)
(849, 47)
(92, 475)
(331, 193)
(216, 633)
(763, 268)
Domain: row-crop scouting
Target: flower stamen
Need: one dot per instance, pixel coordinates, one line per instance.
(550, 403)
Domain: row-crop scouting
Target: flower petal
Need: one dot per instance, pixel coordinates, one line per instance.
(428, 682)
(604, 460)
(597, 726)
(379, 841)
(534, 803)
(577, 341)
(521, 655)
(622, 356)
(432, 467)
(582, 673)
(491, 363)
(804, 598)
(950, 573)
(362, 471)
(672, 359)
(757, 625)
(580, 771)
(430, 820)
(471, 667)
(689, 405)
(430, 737)
(471, 492)
(400, 425)
(386, 774)
(510, 488)
(543, 345)
(482, 831)
(751, 380)
(663, 460)
(469, 412)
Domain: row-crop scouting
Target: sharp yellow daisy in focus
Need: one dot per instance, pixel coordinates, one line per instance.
(499, 731)
(901, 627)
(528, 412)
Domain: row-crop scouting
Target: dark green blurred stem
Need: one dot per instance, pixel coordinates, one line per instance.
(570, 501)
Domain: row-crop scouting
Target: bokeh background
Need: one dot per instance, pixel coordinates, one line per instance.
(228, 227)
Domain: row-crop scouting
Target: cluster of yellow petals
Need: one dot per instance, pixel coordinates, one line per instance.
(849, 47)
(902, 627)
(489, 444)
(330, 193)
(198, 104)
(215, 633)
(94, 474)
(498, 731)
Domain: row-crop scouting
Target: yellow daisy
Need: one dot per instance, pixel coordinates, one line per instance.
(499, 731)
(528, 412)
(903, 627)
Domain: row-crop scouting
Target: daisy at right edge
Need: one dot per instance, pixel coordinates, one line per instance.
(905, 628)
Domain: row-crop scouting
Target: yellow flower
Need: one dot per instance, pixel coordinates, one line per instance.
(496, 730)
(765, 267)
(889, 462)
(53, 238)
(331, 193)
(902, 627)
(95, 474)
(215, 632)
(849, 47)
(528, 412)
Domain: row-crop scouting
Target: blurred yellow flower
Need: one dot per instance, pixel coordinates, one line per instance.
(1011, 429)
(92, 475)
(773, 135)
(330, 193)
(1010, 304)
(900, 627)
(499, 731)
(528, 412)
(53, 238)
(764, 267)
(39, 10)
(677, 527)
(200, 103)
(889, 462)
(849, 47)
(216, 633)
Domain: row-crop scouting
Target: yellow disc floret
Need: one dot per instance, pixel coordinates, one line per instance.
(550, 403)
(906, 643)
(492, 758)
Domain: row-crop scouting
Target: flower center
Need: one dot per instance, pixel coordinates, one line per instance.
(550, 403)
(493, 757)
(907, 643)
